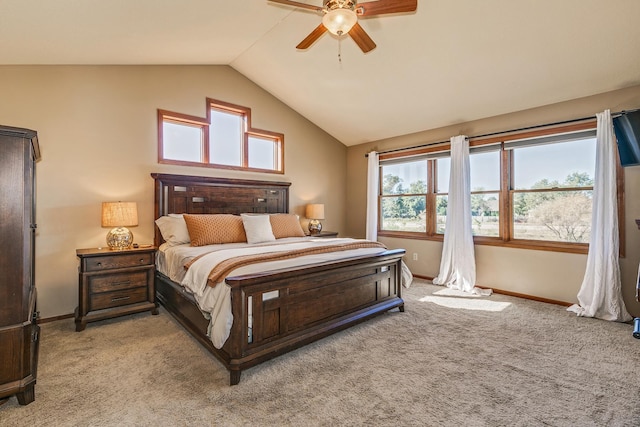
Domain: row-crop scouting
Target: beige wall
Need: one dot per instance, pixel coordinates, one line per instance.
(543, 274)
(97, 130)
(90, 117)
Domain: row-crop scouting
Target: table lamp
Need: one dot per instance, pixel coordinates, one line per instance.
(119, 215)
(315, 212)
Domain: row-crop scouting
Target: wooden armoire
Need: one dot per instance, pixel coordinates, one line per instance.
(19, 332)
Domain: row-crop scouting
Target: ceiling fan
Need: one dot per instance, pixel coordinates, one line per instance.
(340, 17)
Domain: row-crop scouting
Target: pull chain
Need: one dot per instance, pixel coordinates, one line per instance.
(340, 50)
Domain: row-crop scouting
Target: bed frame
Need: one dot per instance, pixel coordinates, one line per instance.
(289, 308)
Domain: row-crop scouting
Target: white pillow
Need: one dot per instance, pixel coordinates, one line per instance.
(173, 229)
(257, 228)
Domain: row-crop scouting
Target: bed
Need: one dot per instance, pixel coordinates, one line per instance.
(273, 310)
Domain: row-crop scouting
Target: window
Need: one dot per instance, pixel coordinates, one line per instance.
(530, 190)
(224, 139)
(182, 140)
(485, 191)
(443, 167)
(404, 196)
(552, 190)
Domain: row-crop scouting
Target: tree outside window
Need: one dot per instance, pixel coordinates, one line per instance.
(553, 190)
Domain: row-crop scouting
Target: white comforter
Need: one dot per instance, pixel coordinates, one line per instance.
(215, 302)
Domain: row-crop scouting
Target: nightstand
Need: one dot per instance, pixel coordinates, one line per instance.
(114, 283)
(325, 234)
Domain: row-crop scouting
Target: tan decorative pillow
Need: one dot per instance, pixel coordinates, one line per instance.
(285, 225)
(215, 229)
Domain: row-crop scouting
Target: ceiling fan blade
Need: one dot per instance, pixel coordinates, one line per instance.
(315, 35)
(298, 4)
(361, 38)
(381, 7)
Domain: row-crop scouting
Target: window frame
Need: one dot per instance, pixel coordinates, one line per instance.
(383, 196)
(505, 194)
(492, 147)
(513, 191)
(205, 124)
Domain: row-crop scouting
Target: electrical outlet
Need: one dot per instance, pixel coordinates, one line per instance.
(415, 256)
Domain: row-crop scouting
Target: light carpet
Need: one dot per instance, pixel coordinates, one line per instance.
(448, 360)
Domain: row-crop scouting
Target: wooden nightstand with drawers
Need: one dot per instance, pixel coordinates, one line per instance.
(114, 283)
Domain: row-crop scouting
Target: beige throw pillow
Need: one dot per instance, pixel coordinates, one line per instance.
(285, 225)
(257, 228)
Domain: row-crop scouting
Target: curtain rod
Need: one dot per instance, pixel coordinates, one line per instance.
(564, 122)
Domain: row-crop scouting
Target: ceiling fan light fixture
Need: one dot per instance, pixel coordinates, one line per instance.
(339, 21)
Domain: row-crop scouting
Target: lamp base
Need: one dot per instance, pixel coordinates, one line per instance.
(315, 226)
(119, 238)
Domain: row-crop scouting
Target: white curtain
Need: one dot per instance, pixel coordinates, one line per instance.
(373, 173)
(600, 294)
(458, 264)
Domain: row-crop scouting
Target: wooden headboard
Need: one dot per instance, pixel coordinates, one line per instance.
(210, 195)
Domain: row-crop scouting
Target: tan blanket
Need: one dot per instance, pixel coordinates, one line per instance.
(225, 267)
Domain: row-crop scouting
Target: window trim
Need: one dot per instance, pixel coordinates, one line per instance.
(174, 117)
(205, 124)
(505, 193)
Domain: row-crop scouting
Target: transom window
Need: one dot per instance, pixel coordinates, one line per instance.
(224, 139)
(532, 192)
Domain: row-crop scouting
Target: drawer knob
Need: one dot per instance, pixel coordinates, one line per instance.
(141, 260)
(99, 264)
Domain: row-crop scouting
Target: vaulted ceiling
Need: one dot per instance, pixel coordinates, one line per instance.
(451, 61)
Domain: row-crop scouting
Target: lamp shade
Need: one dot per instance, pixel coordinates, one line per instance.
(119, 214)
(339, 21)
(315, 211)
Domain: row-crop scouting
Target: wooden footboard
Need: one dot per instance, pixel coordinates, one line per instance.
(282, 310)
